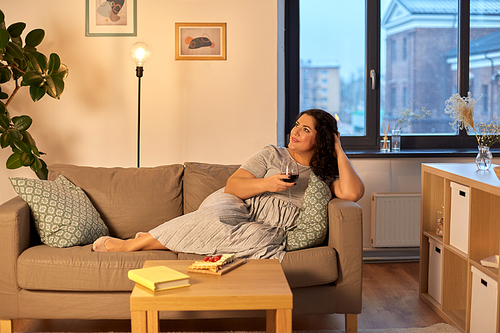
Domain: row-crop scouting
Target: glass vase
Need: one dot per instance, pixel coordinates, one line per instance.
(385, 145)
(483, 158)
(396, 140)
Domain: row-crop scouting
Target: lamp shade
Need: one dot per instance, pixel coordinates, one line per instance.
(140, 53)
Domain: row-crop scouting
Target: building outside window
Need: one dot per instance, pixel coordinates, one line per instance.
(418, 62)
(405, 48)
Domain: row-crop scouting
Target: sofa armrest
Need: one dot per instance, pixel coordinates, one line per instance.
(346, 236)
(15, 216)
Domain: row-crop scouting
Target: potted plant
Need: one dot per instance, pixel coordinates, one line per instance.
(461, 110)
(21, 63)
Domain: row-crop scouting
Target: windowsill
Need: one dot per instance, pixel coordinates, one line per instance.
(412, 153)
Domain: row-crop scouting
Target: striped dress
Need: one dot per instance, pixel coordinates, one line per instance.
(252, 228)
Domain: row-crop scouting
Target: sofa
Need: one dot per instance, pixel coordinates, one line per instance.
(43, 282)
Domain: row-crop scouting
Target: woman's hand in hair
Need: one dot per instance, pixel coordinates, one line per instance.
(349, 185)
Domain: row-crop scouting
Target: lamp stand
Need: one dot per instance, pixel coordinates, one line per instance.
(139, 71)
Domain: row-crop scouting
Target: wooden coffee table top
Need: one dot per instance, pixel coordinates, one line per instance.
(258, 284)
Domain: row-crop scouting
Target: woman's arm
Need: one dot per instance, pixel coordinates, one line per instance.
(348, 186)
(244, 184)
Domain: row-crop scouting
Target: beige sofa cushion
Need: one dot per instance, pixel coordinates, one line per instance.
(201, 180)
(128, 199)
(302, 268)
(78, 268)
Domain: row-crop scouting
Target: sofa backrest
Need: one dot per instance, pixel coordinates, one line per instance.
(202, 179)
(129, 199)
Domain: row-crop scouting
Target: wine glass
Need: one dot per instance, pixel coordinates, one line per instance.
(290, 168)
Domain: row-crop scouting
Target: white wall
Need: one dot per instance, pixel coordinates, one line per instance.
(207, 111)
(210, 111)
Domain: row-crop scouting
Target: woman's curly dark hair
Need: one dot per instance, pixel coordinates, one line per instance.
(324, 161)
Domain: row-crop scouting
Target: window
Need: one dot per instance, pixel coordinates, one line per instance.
(484, 100)
(394, 57)
(405, 49)
(413, 48)
(405, 92)
(393, 105)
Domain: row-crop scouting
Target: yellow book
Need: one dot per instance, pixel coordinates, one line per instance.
(159, 278)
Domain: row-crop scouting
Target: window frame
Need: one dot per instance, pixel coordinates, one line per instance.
(370, 141)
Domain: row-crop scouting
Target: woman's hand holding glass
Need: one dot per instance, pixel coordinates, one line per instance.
(277, 184)
(290, 169)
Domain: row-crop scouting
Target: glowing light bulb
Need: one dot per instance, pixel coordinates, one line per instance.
(140, 53)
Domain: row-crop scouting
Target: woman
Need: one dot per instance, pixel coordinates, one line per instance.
(250, 216)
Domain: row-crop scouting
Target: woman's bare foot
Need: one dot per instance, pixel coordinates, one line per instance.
(109, 244)
(100, 244)
(140, 234)
(112, 244)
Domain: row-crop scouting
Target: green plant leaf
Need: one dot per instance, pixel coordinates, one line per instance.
(55, 87)
(5, 75)
(14, 161)
(16, 29)
(4, 121)
(4, 38)
(14, 51)
(27, 159)
(34, 37)
(42, 172)
(27, 136)
(37, 92)
(21, 69)
(54, 63)
(22, 123)
(28, 139)
(36, 165)
(62, 72)
(15, 134)
(35, 151)
(18, 41)
(32, 78)
(38, 62)
(25, 148)
(4, 140)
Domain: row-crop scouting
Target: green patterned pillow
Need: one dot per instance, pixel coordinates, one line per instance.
(312, 223)
(64, 215)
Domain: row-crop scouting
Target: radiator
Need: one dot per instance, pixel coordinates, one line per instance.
(395, 219)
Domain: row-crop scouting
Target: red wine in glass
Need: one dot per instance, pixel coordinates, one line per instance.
(291, 168)
(292, 177)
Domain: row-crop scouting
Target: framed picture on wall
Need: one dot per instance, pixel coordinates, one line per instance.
(200, 41)
(110, 18)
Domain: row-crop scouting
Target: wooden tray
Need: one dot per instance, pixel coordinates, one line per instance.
(226, 268)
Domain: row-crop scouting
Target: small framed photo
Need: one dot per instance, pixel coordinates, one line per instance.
(200, 41)
(110, 18)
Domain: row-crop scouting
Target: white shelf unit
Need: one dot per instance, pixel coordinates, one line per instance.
(483, 229)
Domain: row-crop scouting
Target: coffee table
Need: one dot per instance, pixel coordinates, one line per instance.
(260, 284)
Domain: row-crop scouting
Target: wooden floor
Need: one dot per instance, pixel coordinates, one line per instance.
(390, 300)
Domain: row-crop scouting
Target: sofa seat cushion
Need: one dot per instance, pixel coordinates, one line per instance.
(78, 268)
(302, 268)
(128, 199)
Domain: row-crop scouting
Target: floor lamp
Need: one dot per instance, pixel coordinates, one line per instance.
(140, 53)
